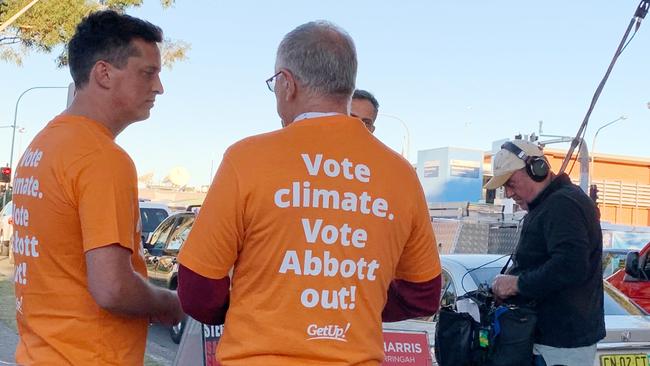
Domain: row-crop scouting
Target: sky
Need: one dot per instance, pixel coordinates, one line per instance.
(456, 73)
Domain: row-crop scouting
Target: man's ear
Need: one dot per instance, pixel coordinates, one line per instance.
(290, 85)
(100, 74)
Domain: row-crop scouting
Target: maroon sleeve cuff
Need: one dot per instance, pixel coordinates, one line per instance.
(202, 298)
(408, 300)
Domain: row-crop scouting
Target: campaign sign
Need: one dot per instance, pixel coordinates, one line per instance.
(406, 349)
(400, 348)
(211, 335)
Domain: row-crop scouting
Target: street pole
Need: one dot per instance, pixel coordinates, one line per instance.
(13, 126)
(408, 133)
(593, 145)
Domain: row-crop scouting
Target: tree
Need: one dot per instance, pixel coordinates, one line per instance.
(49, 24)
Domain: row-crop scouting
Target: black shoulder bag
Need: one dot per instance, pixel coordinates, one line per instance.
(504, 337)
(512, 332)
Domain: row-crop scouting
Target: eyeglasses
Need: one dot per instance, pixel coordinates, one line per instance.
(270, 82)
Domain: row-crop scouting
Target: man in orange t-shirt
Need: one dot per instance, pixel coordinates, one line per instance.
(82, 297)
(327, 228)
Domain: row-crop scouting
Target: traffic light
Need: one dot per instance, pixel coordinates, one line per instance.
(5, 174)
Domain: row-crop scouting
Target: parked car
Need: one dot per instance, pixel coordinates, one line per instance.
(628, 329)
(634, 279)
(160, 255)
(151, 215)
(6, 228)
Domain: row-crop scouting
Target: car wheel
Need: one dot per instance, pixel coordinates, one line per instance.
(176, 331)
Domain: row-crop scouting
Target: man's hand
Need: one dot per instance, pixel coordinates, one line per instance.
(170, 312)
(505, 286)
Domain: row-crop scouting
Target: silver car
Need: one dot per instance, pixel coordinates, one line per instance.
(6, 228)
(628, 328)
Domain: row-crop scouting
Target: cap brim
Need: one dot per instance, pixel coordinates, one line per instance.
(498, 181)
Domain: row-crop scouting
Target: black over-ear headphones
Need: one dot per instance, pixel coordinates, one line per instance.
(536, 166)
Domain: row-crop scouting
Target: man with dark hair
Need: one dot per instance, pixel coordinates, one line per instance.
(327, 230)
(365, 107)
(557, 263)
(82, 297)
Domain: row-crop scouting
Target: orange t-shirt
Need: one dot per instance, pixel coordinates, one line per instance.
(317, 219)
(74, 190)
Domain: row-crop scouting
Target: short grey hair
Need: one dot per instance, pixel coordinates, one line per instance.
(322, 57)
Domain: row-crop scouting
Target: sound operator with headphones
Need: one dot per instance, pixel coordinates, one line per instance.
(557, 262)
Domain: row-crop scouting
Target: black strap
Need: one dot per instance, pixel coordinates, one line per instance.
(503, 270)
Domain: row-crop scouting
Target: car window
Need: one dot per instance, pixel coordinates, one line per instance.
(612, 262)
(159, 237)
(616, 303)
(7, 209)
(449, 290)
(151, 218)
(180, 233)
(485, 275)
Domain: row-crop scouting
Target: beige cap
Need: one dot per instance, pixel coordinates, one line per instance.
(505, 163)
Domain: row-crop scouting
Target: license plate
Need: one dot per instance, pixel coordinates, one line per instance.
(638, 359)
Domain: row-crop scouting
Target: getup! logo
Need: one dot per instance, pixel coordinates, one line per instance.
(332, 332)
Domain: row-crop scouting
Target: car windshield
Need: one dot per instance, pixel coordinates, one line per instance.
(615, 303)
(151, 218)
